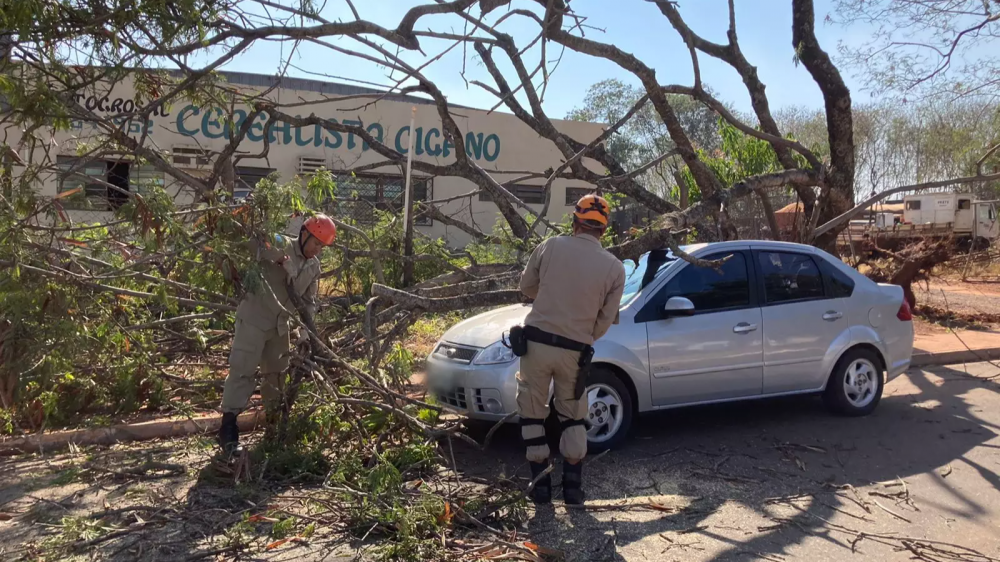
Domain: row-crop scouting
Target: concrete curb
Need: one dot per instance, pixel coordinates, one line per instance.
(955, 357)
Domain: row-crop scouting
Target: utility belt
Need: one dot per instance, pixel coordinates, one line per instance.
(521, 335)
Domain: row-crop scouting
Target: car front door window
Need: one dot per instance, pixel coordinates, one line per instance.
(707, 288)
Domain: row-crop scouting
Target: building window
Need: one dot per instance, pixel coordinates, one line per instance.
(190, 157)
(913, 205)
(964, 204)
(573, 194)
(247, 178)
(360, 195)
(99, 185)
(529, 194)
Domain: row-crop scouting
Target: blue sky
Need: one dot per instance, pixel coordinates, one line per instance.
(636, 26)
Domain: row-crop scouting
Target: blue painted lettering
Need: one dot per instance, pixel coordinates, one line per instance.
(233, 129)
(400, 148)
(299, 141)
(284, 128)
(182, 116)
(350, 136)
(436, 149)
(486, 148)
(474, 145)
(378, 133)
(448, 145)
(337, 140)
(210, 121)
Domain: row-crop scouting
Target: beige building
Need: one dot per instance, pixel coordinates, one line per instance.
(192, 134)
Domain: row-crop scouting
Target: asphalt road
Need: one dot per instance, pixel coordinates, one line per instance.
(785, 480)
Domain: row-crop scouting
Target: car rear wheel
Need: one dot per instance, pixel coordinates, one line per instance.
(609, 410)
(855, 386)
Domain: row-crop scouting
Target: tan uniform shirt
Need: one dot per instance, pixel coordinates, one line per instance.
(260, 309)
(577, 286)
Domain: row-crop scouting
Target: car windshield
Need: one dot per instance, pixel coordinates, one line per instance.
(636, 273)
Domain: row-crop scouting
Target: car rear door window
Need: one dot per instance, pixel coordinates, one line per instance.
(789, 277)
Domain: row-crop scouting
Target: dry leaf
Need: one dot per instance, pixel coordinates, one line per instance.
(261, 519)
(69, 193)
(74, 242)
(660, 507)
(447, 515)
(531, 546)
(128, 346)
(106, 504)
(6, 516)
(800, 464)
(276, 544)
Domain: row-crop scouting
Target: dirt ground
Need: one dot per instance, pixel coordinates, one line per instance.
(974, 299)
(771, 480)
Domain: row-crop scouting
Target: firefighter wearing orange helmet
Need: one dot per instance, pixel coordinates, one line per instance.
(262, 335)
(576, 286)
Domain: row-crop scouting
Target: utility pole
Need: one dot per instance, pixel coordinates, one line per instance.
(407, 203)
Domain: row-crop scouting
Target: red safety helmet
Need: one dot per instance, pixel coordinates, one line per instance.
(322, 227)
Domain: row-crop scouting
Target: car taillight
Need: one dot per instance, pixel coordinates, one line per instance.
(905, 314)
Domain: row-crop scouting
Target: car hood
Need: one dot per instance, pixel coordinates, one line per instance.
(486, 328)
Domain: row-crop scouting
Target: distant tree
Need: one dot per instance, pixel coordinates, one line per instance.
(644, 137)
(926, 47)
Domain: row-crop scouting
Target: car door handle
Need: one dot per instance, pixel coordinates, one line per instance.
(832, 315)
(743, 328)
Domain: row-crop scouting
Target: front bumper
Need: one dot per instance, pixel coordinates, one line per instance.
(481, 392)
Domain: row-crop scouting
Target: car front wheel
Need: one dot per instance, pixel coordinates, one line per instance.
(609, 410)
(855, 386)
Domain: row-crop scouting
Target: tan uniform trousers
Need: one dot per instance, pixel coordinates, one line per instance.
(253, 347)
(542, 364)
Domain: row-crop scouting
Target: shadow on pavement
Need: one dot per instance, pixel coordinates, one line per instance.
(758, 479)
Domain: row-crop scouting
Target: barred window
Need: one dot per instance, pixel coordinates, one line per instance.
(530, 194)
(97, 185)
(359, 195)
(573, 194)
(247, 178)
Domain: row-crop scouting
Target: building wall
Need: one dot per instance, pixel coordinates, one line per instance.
(498, 142)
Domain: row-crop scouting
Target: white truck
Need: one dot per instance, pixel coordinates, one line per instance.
(934, 215)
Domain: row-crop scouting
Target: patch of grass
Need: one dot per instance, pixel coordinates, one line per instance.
(283, 528)
(425, 332)
(99, 421)
(67, 476)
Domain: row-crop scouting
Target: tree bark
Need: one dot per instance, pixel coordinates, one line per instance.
(839, 180)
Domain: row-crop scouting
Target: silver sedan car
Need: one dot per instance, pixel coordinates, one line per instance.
(773, 319)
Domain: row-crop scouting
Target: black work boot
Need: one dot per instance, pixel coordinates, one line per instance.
(572, 483)
(229, 434)
(542, 492)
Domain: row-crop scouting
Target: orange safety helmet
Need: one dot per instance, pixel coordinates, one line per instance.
(592, 210)
(322, 227)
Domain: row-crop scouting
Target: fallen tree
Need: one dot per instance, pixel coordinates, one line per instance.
(90, 309)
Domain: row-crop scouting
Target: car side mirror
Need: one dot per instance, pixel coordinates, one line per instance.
(678, 306)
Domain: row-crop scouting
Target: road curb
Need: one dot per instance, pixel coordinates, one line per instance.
(955, 357)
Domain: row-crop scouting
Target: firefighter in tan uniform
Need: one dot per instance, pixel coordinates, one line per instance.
(261, 337)
(576, 286)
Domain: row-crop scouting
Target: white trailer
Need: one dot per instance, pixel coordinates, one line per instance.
(956, 215)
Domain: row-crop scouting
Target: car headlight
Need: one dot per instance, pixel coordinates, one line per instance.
(495, 354)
